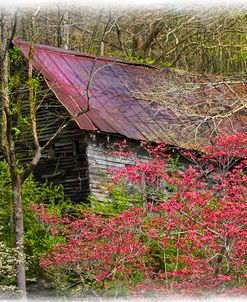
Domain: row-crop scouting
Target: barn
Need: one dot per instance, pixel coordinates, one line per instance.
(109, 100)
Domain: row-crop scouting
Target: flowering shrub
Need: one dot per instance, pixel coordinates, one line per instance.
(7, 269)
(190, 238)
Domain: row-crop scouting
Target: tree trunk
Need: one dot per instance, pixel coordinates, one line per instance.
(8, 147)
(62, 28)
(102, 48)
(19, 235)
(138, 42)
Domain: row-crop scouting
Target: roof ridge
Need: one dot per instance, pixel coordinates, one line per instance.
(17, 41)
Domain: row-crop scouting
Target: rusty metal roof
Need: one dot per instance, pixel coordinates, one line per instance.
(114, 108)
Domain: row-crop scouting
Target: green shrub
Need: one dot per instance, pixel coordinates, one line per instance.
(37, 236)
(119, 199)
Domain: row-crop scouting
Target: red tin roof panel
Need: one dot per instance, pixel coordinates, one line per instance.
(113, 106)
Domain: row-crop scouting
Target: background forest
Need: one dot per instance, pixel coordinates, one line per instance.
(127, 246)
(209, 40)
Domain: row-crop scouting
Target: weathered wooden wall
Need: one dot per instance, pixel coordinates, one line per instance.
(65, 161)
(101, 158)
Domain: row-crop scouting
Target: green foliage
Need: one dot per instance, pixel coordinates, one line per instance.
(241, 53)
(173, 166)
(17, 131)
(165, 64)
(36, 82)
(119, 200)
(140, 59)
(19, 107)
(14, 81)
(15, 54)
(37, 236)
(24, 125)
(6, 205)
(239, 56)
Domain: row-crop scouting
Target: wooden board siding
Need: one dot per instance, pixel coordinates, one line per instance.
(101, 159)
(70, 170)
(65, 161)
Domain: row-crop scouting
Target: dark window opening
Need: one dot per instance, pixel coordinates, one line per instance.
(76, 147)
(64, 149)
